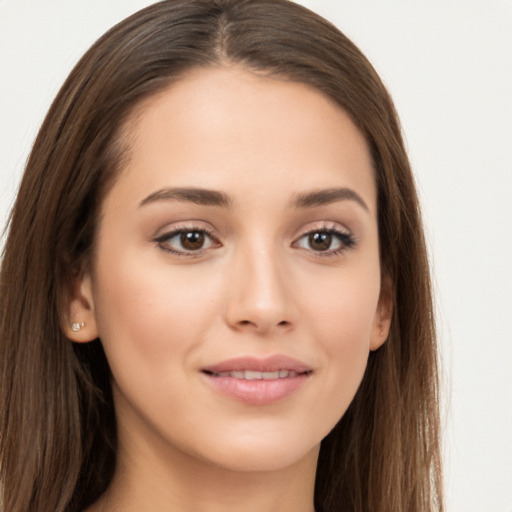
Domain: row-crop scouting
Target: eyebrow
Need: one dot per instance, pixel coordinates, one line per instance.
(191, 195)
(207, 197)
(327, 196)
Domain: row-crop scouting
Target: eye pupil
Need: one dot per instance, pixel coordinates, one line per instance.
(192, 240)
(320, 241)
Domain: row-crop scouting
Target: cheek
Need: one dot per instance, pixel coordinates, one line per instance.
(342, 311)
(341, 321)
(147, 315)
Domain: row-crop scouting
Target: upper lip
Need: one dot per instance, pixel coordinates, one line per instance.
(257, 364)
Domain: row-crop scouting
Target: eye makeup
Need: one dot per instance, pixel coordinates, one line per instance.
(326, 241)
(193, 240)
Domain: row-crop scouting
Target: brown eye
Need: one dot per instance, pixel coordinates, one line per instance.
(325, 242)
(186, 241)
(192, 240)
(320, 241)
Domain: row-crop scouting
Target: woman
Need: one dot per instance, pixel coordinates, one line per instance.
(215, 291)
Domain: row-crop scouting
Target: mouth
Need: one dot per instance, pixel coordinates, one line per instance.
(255, 375)
(258, 381)
(254, 368)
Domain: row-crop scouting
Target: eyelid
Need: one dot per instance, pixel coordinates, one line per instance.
(321, 225)
(175, 230)
(346, 237)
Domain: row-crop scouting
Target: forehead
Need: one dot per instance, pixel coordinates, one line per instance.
(229, 129)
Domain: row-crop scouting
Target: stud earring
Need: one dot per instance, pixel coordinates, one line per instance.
(76, 326)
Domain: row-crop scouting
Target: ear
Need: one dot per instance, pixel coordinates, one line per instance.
(78, 318)
(383, 314)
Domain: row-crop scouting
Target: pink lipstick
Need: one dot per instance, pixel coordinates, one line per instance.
(258, 381)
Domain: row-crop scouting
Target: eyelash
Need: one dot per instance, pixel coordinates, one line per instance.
(166, 237)
(346, 240)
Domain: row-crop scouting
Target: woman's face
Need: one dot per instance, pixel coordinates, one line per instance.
(236, 286)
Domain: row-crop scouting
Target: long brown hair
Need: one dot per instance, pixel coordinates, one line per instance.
(57, 427)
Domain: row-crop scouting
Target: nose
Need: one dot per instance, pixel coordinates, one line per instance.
(261, 298)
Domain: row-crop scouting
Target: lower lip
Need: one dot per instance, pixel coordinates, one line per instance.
(258, 391)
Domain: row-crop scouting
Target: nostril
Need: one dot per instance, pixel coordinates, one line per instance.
(245, 323)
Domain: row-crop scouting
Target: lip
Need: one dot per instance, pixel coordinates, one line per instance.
(256, 364)
(258, 391)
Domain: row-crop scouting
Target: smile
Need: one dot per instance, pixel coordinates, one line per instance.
(255, 375)
(256, 381)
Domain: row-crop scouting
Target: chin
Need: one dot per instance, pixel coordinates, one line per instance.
(262, 453)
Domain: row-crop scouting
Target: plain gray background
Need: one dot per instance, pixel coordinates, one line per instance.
(448, 65)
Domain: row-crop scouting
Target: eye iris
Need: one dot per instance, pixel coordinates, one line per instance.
(192, 240)
(320, 241)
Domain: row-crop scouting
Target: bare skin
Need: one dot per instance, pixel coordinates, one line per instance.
(244, 227)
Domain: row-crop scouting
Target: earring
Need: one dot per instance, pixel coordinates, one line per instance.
(76, 326)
